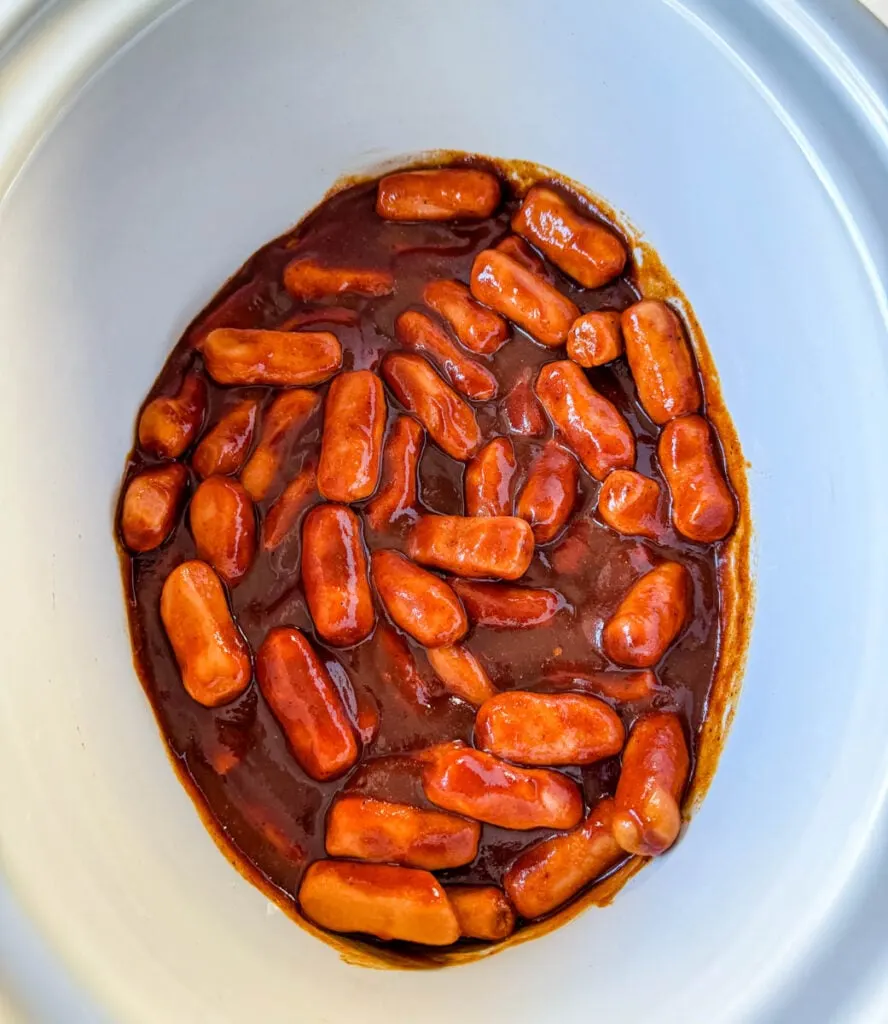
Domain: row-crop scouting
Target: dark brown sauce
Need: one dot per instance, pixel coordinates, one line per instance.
(235, 757)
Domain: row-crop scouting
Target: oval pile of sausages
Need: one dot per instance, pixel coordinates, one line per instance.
(452, 573)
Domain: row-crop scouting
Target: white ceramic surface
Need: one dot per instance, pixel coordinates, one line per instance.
(750, 141)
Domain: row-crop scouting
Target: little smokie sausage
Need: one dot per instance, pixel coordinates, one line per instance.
(475, 546)
(703, 507)
(550, 492)
(524, 297)
(396, 499)
(483, 912)
(595, 338)
(523, 412)
(649, 617)
(443, 194)
(630, 504)
(626, 687)
(489, 478)
(308, 280)
(461, 673)
(378, 830)
(449, 420)
(548, 728)
(223, 524)
(421, 603)
(334, 575)
(583, 248)
(521, 252)
(213, 657)
(419, 333)
(378, 899)
(150, 504)
(284, 421)
(306, 704)
(551, 872)
(397, 667)
(168, 425)
(289, 506)
(655, 769)
(224, 448)
(278, 358)
(503, 607)
(351, 446)
(661, 361)
(477, 327)
(479, 785)
(590, 424)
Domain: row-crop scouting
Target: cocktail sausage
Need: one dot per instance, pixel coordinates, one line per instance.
(477, 327)
(279, 358)
(649, 617)
(474, 546)
(308, 280)
(418, 601)
(489, 476)
(703, 507)
(417, 332)
(452, 193)
(595, 338)
(499, 606)
(351, 445)
(223, 449)
(213, 657)
(307, 705)
(630, 504)
(461, 673)
(396, 498)
(483, 912)
(550, 492)
(591, 425)
(168, 425)
(223, 524)
(150, 503)
(653, 776)
(334, 575)
(583, 248)
(661, 361)
(289, 506)
(284, 421)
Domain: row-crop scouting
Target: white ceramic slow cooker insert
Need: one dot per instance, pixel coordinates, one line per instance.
(146, 149)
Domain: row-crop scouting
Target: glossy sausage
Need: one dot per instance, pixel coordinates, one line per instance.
(703, 507)
(278, 358)
(378, 830)
(286, 510)
(419, 333)
(496, 546)
(523, 296)
(583, 248)
(396, 499)
(421, 603)
(334, 575)
(661, 361)
(351, 445)
(521, 252)
(500, 606)
(595, 338)
(483, 912)
(447, 194)
(551, 872)
(308, 280)
(479, 785)
(223, 524)
(649, 617)
(303, 699)
(396, 666)
(625, 687)
(590, 424)
(223, 449)
(284, 421)
(523, 412)
(449, 420)
(213, 657)
(655, 770)
(477, 327)
(550, 492)
(168, 425)
(630, 504)
(378, 899)
(548, 728)
(150, 504)
(461, 673)
(488, 481)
